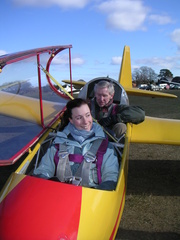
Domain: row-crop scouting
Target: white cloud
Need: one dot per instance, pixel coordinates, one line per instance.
(170, 63)
(175, 37)
(64, 59)
(2, 52)
(77, 61)
(116, 60)
(61, 3)
(126, 15)
(160, 19)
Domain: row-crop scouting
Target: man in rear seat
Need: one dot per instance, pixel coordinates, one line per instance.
(110, 115)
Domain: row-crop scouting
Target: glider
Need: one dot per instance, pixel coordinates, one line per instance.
(34, 208)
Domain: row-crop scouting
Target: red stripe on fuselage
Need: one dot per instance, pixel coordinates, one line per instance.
(113, 232)
(40, 209)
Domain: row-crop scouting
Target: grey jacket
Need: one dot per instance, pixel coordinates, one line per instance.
(109, 168)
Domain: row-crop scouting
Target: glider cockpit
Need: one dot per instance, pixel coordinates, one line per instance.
(120, 96)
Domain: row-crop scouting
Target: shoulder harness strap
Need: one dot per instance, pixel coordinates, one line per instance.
(96, 152)
(63, 168)
(114, 109)
(89, 158)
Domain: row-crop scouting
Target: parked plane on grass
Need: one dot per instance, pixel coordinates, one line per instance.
(173, 84)
(34, 208)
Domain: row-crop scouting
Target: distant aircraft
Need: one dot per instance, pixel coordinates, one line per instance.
(174, 84)
(34, 208)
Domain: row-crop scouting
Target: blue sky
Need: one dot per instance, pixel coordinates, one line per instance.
(98, 31)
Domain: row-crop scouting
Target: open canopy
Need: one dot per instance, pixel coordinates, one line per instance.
(29, 101)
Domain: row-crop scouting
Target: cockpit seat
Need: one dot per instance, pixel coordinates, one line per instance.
(120, 96)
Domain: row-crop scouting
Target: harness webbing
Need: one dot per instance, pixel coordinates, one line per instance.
(89, 158)
(100, 153)
(63, 167)
(95, 154)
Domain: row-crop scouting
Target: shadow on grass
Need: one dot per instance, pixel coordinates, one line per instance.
(156, 177)
(142, 235)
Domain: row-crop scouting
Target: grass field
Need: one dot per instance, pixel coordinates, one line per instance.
(152, 208)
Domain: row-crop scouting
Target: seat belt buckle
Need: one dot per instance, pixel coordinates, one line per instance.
(73, 180)
(89, 157)
(77, 181)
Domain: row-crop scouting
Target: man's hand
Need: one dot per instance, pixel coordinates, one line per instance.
(108, 121)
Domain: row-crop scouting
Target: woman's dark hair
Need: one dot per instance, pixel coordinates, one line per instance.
(77, 102)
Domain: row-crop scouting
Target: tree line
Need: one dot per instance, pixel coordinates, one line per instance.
(146, 75)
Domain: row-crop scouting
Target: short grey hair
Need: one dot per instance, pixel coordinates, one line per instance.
(105, 84)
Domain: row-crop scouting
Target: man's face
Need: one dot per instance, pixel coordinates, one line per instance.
(81, 117)
(103, 96)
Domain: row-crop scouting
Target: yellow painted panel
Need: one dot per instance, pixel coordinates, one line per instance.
(74, 83)
(125, 76)
(27, 108)
(145, 93)
(99, 211)
(11, 183)
(157, 130)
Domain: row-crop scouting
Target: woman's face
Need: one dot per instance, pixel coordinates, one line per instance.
(81, 117)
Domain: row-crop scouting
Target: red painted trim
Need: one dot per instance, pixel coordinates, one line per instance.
(113, 232)
(15, 157)
(70, 70)
(48, 78)
(40, 91)
(15, 57)
(41, 209)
